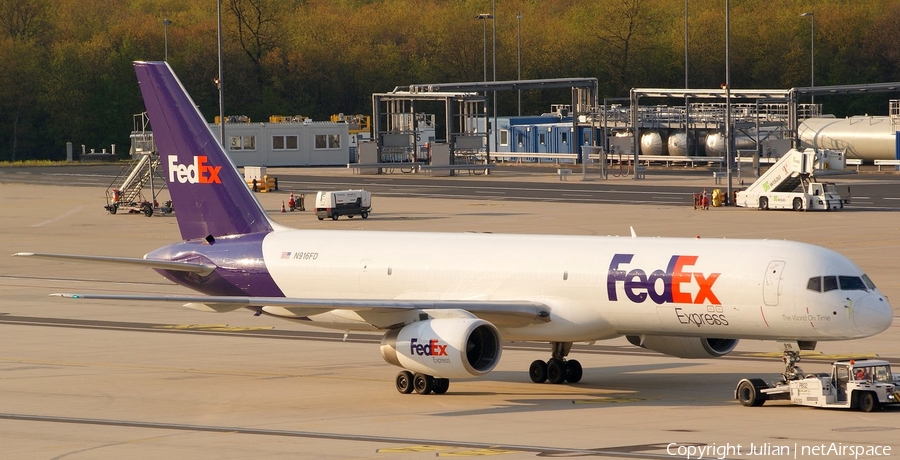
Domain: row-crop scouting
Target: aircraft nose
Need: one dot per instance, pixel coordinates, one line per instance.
(872, 314)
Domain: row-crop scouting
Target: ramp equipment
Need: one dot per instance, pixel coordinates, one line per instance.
(792, 183)
(142, 171)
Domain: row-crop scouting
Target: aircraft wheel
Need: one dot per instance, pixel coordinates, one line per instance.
(440, 386)
(763, 203)
(556, 371)
(538, 371)
(867, 402)
(334, 217)
(748, 395)
(404, 382)
(798, 204)
(423, 383)
(574, 371)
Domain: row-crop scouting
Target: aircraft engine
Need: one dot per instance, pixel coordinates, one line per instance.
(444, 347)
(684, 347)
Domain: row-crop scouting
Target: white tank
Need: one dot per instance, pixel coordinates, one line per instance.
(715, 144)
(864, 137)
(678, 144)
(653, 143)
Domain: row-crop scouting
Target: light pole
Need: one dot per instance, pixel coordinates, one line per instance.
(687, 105)
(728, 132)
(519, 56)
(812, 52)
(494, 67)
(685, 44)
(220, 80)
(166, 23)
(484, 17)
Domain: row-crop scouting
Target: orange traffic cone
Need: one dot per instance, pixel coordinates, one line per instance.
(282, 207)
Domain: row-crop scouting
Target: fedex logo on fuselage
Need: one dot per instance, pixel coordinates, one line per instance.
(430, 348)
(197, 173)
(670, 286)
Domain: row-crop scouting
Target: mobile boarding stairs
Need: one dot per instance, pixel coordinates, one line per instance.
(793, 183)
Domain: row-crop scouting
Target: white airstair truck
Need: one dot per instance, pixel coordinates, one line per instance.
(791, 183)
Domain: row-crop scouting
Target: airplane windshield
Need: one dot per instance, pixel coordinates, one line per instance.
(844, 283)
(852, 283)
(868, 282)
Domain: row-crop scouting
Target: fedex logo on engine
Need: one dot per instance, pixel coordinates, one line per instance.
(197, 173)
(431, 348)
(674, 285)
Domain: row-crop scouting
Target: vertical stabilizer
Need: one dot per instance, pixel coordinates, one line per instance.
(209, 195)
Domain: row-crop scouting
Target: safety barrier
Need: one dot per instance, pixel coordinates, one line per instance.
(880, 163)
(472, 168)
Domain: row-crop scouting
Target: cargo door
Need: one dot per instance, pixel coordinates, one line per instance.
(772, 282)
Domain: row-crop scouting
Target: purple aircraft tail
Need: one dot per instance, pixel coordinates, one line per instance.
(209, 195)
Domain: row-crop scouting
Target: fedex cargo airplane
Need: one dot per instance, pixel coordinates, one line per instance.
(446, 309)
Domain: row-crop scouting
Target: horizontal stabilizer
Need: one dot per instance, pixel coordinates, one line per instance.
(200, 269)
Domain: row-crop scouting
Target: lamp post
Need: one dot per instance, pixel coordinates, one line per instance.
(484, 17)
(812, 52)
(519, 57)
(494, 68)
(219, 80)
(687, 105)
(729, 154)
(166, 23)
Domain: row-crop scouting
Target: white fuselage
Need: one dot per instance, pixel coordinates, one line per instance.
(596, 287)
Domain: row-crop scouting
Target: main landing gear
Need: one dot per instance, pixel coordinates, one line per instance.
(423, 384)
(557, 369)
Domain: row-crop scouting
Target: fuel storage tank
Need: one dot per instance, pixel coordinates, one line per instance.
(864, 137)
(715, 144)
(654, 143)
(679, 147)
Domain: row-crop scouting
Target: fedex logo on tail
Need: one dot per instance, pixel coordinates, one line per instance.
(674, 285)
(197, 173)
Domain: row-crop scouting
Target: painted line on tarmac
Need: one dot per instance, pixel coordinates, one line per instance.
(473, 448)
(59, 217)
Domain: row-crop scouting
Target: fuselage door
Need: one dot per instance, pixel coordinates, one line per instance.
(772, 282)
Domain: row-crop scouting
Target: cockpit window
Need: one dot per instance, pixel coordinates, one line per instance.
(852, 283)
(830, 283)
(815, 284)
(869, 283)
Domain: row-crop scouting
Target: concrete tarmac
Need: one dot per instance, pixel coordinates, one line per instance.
(104, 380)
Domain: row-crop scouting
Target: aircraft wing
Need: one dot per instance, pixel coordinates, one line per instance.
(200, 269)
(503, 312)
